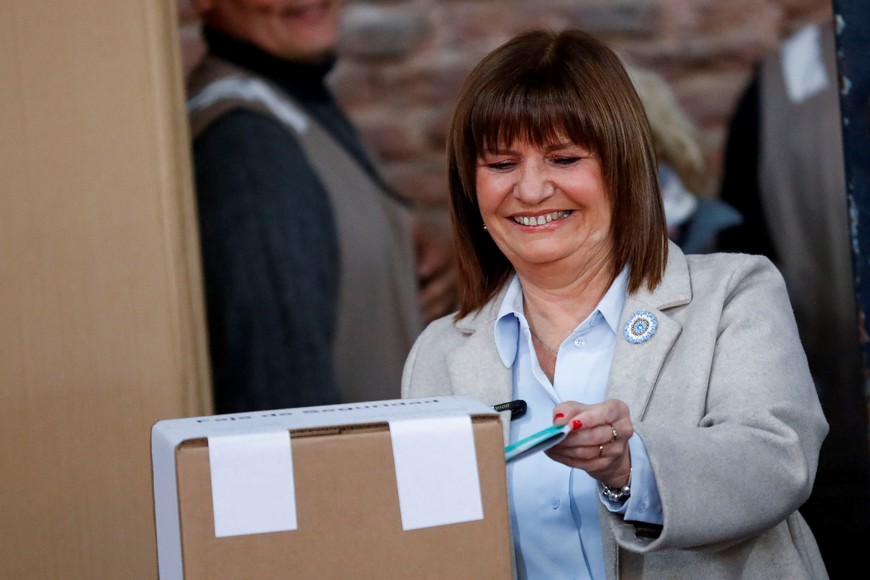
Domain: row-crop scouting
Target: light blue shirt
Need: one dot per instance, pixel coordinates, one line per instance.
(554, 508)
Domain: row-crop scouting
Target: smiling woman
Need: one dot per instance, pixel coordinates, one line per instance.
(666, 370)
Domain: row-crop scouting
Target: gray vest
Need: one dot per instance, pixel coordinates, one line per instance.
(802, 180)
(377, 313)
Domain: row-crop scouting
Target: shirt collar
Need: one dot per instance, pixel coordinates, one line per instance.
(511, 314)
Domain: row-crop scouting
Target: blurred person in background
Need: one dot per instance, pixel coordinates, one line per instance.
(317, 273)
(694, 219)
(784, 171)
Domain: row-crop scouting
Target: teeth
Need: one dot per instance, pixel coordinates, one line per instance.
(541, 219)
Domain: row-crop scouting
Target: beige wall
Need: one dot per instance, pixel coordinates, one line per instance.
(101, 331)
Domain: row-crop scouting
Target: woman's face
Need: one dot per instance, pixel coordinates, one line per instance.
(545, 205)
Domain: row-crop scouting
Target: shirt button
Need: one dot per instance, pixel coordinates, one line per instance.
(555, 503)
(580, 342)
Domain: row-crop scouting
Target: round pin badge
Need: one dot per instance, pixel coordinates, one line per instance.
(640, 327)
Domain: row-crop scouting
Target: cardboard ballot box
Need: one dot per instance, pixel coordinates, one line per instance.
(411, 488)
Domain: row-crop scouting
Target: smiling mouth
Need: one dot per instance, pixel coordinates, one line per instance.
(541, 219)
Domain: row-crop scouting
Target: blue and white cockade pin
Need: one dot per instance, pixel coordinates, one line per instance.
(640, 327)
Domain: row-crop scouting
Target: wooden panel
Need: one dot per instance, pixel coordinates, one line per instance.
(101, 325)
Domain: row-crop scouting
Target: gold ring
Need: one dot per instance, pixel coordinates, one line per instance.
(600, 450)
(615, 434)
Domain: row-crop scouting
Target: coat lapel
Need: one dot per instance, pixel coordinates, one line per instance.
(636, 367)
(475, 368)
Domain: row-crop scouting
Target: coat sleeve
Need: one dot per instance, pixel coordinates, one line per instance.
(270, 257)
(747, 457)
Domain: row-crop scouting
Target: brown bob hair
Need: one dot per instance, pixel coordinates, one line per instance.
(535, 88)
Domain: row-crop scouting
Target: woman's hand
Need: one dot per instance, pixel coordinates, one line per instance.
(598, 442)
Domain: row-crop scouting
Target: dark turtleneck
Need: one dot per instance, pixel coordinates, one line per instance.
(304, 81)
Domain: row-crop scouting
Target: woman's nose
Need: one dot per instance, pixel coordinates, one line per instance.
(533, 186)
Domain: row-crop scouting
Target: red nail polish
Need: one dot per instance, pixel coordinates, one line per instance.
(576, 424)
(558, 416)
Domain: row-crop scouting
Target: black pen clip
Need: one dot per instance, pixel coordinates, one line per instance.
(517, 408)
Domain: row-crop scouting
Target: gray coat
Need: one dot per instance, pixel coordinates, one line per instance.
(721, 397)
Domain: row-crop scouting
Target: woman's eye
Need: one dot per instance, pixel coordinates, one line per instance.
(566, 161)
(501, 165)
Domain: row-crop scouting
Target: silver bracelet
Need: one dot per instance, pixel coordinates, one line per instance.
(616, 494)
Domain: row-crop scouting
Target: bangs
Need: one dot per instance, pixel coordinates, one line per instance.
(535, 113)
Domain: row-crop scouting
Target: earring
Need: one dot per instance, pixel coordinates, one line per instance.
(484, 227)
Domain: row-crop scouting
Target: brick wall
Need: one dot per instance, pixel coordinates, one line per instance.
(403, 61)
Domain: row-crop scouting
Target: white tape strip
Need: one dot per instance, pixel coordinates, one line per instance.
(803, 66)
(436, 471)
(252, 483)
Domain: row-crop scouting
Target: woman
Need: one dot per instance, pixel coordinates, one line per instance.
(695, 425)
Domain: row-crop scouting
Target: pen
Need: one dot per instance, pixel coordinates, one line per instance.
(517, 408)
